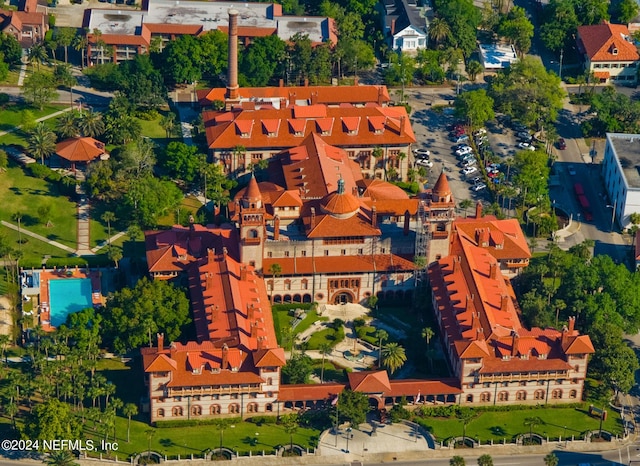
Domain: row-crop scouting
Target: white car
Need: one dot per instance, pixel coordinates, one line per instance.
(478, 187)
(469, 170)
(526, 146)
(468, 163)
(479, 132)
(422, 153)
(424, 162)
(464, 151)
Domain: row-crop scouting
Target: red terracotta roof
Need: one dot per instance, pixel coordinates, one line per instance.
(252, 192)
(269, 358)
(340, 204)
(223, 135)
(175, 29)
(251, 31)
(607, 42)
(499, 366)
(162, 363)
(310, 392)
(411, 387)
(602, 74)
(503, 239)
(271, 126)
(369, 381)
(580, 345)
(80, 149)
(340, 264)
(331, 95)
(351, 123)
(442, 188)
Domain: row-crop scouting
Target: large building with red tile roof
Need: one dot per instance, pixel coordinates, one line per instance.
(27, 24)
(609, 52)
(321, 232)
(233, 366)
(495, 358)
(126, 33)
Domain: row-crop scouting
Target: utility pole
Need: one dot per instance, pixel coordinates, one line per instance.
(561, 56)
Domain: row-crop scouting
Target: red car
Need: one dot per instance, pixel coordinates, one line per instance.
(562, 145)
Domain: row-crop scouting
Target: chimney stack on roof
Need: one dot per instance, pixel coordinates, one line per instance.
(514, 343)
(572, 324)
(254, 330)
(276, 228)
(225, 357)
(403, 121)
(479, 209)
(493, 271)
(374, 216)
(380, 95)
(232, 73)
(313, 218)
(160, 337)
(250, 313)
(210, 255)
(504, 302)
(243, 273)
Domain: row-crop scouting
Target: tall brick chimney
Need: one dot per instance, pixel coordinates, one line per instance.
(232, 73)
(374, 216)
(514, 343)
(276, 228)
(160, 337)
(493, 271)
(225, 357)
(479, 209)
(572, 324)
(504, 302)
(243, 273)
(313, 218)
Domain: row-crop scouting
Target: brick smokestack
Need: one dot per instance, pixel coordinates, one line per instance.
(232, 72)
(160, 337)
(276, 228)
(374, 216)
(479, 209)
(225, 357)
(515, 338)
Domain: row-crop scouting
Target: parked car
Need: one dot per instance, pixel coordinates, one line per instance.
(469, 170)
(480, 132)
(526, 146)
(422, 153)
(460, 146)
(476, 180)
(467, 157)
(478, 187)
(517, 126)
(464, 151)
(562, 145)
(461, 139)
(468, 163)
(523, 135)
(424, 162)
(457, 132)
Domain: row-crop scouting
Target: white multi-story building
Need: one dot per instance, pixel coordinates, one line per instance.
(621, 173)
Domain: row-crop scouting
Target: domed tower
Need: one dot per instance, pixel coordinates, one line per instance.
(340, 204)
(252, 225)
(439, 218)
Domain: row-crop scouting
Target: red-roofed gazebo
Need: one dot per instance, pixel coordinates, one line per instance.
(81, 150)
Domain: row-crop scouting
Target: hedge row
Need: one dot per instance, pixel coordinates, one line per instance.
(194, 422)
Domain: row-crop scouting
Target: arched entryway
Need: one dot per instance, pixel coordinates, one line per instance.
(343, 297)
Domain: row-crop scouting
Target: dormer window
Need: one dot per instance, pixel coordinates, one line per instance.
(524, 356)
(506, 357)
(500, 246)
(614, 51)
(378, 131)
(542, 356)
(299, 134)
(196, 371)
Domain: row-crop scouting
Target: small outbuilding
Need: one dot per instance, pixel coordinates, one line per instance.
(81, 151)
(497, 57)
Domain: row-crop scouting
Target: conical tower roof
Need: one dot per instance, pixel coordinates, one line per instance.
(252, 192)
(441, 188)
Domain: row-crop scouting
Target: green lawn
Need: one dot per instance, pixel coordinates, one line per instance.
(153, 130)
(329, 335)
(11, 115)
(12, 78)
(190, 205)
(509, 424)
(20, 192)
(282, 320)
(16, 138)
(332, 371)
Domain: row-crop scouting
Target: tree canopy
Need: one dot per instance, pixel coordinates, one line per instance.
(527, 91)
(353, 407)
(475, 106)
(298, 369)
(613, 112)
(133, 314)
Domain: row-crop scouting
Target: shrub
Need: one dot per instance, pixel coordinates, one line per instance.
(259, 420)
(412, 188)
(4, 99)
(39, 171)
(52, 21)
(66, 262)
(147, 114)
(398, 413)
(193, 422)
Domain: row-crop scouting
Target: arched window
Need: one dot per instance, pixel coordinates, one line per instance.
(287, 298)
(539, 395)
(556, 394)
(297, 298)
(277, 299)
(215, 409)
(253, 234)
(469, 398)
(252, 407)
(160, 412)
(573, 394)
(176, 411)
(268, 407)
(485, 397)
(234, 408)
(521, 395)
(269, 381)
(503, 396)
(196, 410)
(306, 298)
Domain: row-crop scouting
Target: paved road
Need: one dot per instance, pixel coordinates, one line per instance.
(81, 94)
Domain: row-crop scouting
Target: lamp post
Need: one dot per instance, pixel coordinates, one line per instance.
(613, 212)
(561, 56)
(349, 435)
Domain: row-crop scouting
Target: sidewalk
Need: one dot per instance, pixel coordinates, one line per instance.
(38, 237)
(52, 115)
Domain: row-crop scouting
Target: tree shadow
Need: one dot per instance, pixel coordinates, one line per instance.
(251, 441)
(167, 442)
(498, 431)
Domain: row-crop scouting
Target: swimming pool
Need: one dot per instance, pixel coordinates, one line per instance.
(68, 295)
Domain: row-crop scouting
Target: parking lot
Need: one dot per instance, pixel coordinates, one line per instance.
(432, 129)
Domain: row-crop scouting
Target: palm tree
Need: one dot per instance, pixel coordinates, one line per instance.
(485, 460)
(439, 30)
(168, 123)
(465, 204)
(393, 356)
(60, 458)
(17, 217)
(42, 142)
(401, 157)
(67, 125)
(466, 417)
(80, 43)
(108, 217)
(325, 350)
(532, 423)
(91, 124)
(115, 254)
(427, 334)
(474, 68)
(457, 461)
(238, 151)
(37, 55)
(129, 410)
(12, 409)
(551, 460)
(382, 336)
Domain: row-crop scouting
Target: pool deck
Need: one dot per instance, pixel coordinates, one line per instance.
(44, 311)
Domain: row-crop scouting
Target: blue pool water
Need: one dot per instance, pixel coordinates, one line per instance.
(68, 295)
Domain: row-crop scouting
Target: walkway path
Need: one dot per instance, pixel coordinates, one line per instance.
(46, 117)
(186, 115)
(23, 67)
(84, 239)
(108, 241)
(38, 237)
